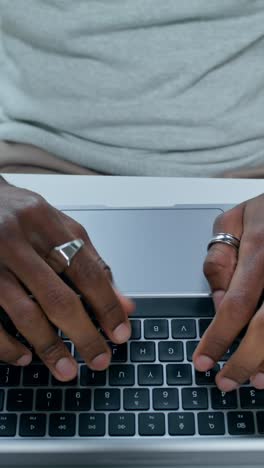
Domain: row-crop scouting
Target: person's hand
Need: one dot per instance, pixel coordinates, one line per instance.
(237, 281)
(29, 229)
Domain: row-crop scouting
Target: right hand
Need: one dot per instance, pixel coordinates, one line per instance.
(29, 229)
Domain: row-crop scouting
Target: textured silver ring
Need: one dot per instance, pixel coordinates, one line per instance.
(224, 238)
(61, 256)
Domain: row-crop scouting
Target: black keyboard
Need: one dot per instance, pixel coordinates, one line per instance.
(150, 389)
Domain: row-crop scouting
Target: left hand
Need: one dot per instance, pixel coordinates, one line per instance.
(237, 283)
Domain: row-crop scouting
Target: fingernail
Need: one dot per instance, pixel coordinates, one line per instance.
(258, 380)
(100, 362)
(227, 385)
(122, 333)
(24, 360)
(203, 363)
(66, 368)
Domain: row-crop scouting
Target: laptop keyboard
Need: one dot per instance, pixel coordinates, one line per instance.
(151, 388)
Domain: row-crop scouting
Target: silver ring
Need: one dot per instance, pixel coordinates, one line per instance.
(61, 256)
(224, 238)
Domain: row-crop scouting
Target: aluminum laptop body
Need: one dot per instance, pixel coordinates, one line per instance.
(156, 257)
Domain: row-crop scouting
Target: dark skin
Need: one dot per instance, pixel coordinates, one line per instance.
(236, 280)
(29, 228)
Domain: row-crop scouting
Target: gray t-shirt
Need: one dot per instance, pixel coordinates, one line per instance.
(136, 87)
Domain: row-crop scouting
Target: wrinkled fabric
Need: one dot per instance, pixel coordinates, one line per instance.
(136, 87)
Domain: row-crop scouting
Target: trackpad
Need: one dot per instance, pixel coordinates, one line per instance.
(152, 251)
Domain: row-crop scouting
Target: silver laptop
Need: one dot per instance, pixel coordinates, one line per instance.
(151, 407)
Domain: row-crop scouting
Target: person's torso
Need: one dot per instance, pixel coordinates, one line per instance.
(165, 78)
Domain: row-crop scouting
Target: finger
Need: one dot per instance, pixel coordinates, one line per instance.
(247, 359)
(61, 305)
(237, 308)
(12, 351)
(76, 230)
(87, 274)
(221, 259)
(32, 323)
(219, 267)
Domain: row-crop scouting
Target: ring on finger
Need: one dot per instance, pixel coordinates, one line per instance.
(61, 256)
(224, 238)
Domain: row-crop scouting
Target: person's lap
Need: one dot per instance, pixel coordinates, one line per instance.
(25, 158)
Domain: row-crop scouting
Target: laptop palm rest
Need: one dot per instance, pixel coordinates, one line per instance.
(152, 251)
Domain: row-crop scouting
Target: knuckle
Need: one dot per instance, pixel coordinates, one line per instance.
(109, 310)
(80, 231)
(90, 269)
(9, 230)
(218, 222)
(61, 300)
(22, 312)
(95, 346)
(51, 352)
(218, 263)
(106, 268)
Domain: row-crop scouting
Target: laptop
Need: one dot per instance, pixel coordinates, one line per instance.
(151, 407)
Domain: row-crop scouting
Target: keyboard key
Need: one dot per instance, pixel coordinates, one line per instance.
(68, 383)
(240, 423)
(89, 377)
(48, 400)
(170, 351)
(165, 399)
(107, 399)
(92, 425)
(142, 351)
(8, 424)
(151, 424)
(203, 325)
(119, 352)
(77, 356)
(194, 398)
(156, 329)
(20, 400)
(183, 328)
(2, 396)
(122, 375)
(121, 424)
(223, 400)
(135, 329)
(211, 423)
(78, 400)
(62, 425)
(251, 398)
(208, 377)
(9, 375)
(190, 348)
(136, 399)
(260, 421)
(150, 374)
(230, 351)
(179, 374)
(32, 425)
(181, 424)
(35, 375)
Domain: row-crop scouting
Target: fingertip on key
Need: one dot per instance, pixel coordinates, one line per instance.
(122, 332)
(203, 363)
(258, 381)
(226, 385)
(67, 368)
(100, 362)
